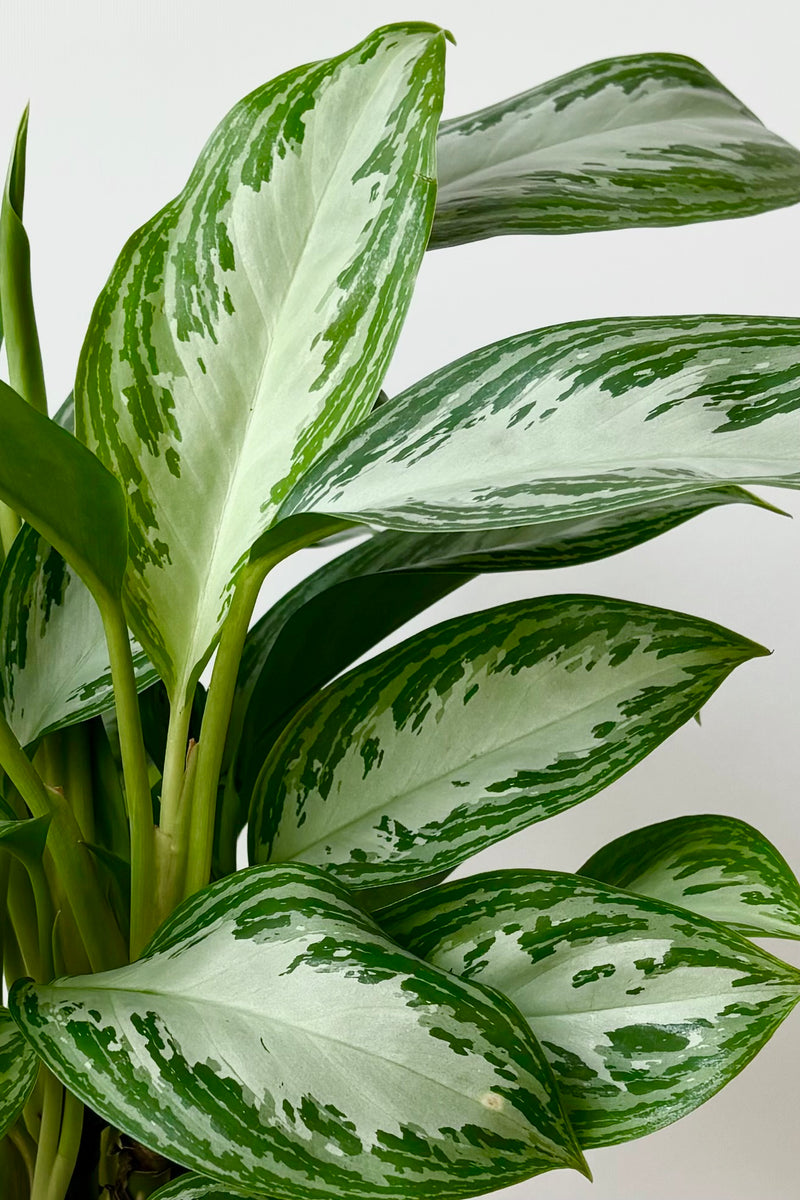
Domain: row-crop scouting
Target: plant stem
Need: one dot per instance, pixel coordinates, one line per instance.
(78, 785)
(44, 919)
(26, 1146)
(134, 767)
(277, 544)
(48, 1136)
(69, 1143)
(4, 872)
(13, 963)
(215, 727)
(98, 928)
(22, 916)
(171, 834)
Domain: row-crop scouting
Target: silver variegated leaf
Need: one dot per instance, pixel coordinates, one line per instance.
(718, 866)
(54, 668)
(250, 322)
(477, 728)
(18, 1068)
(273, 1037)
(650, 139)
(645, 1010)
(335, 615)
(571, 421)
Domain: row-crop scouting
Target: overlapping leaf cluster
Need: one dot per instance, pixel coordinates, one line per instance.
(337, 1019)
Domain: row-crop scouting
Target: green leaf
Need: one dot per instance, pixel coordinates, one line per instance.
(18, 1068)
(571, 421)
(196, 1187)
(268, 296)
(346, 607)
(718, 866)
(66, 493)
(649, 139)
(335, 615)
(644, 1009)
(25, 839)
(16, 299)
(65, 417)
(115, 877)
(477, 728)
(54, 667)
(273, 1036)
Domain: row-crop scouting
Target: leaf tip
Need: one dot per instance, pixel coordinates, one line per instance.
(582, 1166)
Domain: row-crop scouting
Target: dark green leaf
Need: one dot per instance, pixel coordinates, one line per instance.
(66, 493)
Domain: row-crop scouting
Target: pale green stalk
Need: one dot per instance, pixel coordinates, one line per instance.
(134, 766)
(221, 691)
(171, 834)
(98, 929)
(69, 1144)
(215, 727)
(48, 1136)
(26, 1146)
(22, 916)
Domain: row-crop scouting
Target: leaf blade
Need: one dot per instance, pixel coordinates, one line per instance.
(649, 139)
(287, 262)
(18, 1068)
(644, 1009)
(320, 627)
(579, 419)
(289, 958)
(718, 866)
(479, 727)
(54, 665)
(81, 511)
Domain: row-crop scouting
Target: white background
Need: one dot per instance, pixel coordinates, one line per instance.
(122, 99)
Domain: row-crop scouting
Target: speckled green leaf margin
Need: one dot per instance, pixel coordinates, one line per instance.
(477, 728)
(718, 866)
(273, 1036)
(250, 322)
(648, 139)
(54, 663)
(18, 1067)
(644, 1009)
(578, 419)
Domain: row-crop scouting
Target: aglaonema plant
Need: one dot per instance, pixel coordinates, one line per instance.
(336, 1020)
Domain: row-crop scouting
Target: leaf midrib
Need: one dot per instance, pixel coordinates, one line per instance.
(212, 1001)
(593, 136)
(279, 306)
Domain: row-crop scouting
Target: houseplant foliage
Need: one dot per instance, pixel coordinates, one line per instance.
(338, 1019)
